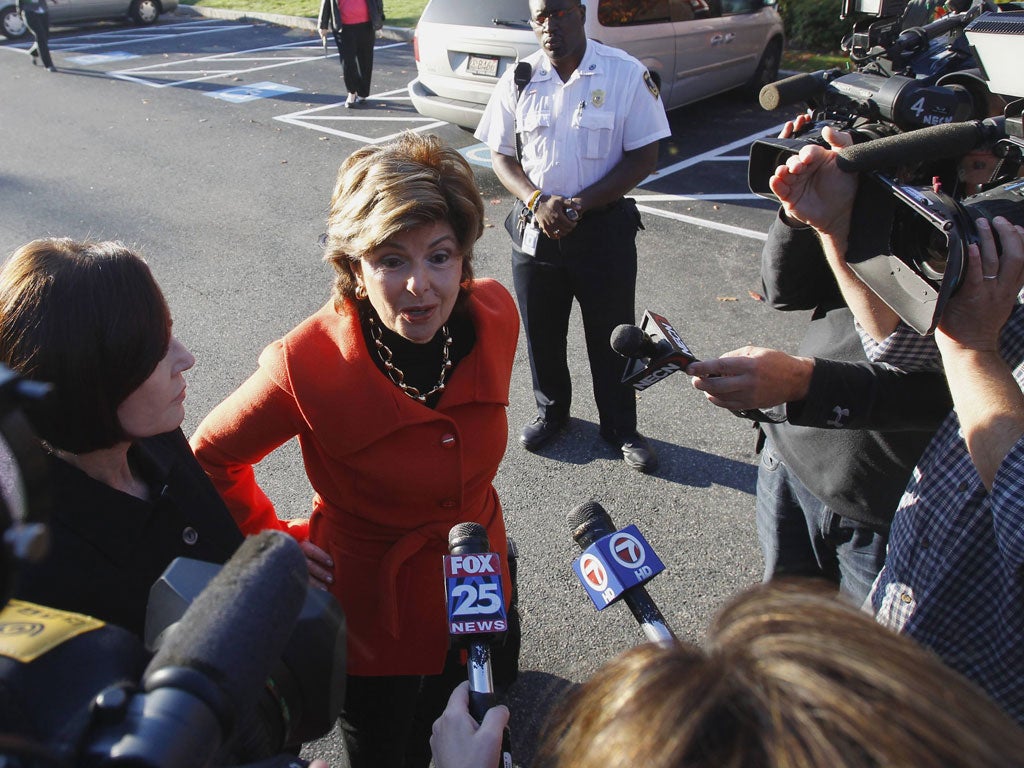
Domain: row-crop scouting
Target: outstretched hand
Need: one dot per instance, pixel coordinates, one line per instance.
(751, 378)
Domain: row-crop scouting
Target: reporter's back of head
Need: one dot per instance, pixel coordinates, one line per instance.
(789, 677)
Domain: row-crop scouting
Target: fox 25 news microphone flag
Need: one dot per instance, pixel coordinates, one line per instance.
(476, 615)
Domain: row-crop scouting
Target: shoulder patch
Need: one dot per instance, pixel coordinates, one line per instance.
(649, 82)
(27, 630)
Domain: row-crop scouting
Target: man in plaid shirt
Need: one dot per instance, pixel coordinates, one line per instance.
(954, 570)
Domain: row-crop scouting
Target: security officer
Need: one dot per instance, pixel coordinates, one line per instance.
(569, 141)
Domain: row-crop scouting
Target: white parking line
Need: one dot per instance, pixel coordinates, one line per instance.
(706, 223)
(324, 123)
(714, 154)
(147, 75)
(132, 37)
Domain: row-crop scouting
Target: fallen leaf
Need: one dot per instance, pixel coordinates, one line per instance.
(495, 201)
(756, 296)
(726, 298)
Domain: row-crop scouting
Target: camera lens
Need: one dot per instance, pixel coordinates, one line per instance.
(922, 245)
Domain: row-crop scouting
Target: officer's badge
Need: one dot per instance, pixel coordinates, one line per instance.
(650, 84)
(597, 98)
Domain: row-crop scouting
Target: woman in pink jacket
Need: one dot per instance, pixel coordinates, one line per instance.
(397, 390)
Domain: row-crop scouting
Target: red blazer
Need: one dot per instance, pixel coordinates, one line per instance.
(391, 476)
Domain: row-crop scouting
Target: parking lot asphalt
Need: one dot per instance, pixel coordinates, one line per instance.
(212, 145)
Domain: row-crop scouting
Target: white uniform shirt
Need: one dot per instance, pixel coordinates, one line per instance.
(574, 133)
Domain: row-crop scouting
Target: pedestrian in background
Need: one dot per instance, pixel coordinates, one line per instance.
(38, 22)
(354, 24)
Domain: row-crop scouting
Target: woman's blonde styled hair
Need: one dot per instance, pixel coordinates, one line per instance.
(391, 188)
(790, 677)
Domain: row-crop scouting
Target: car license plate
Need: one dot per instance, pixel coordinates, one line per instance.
(483, 65)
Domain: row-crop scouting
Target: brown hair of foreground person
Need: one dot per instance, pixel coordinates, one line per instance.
(788, 678)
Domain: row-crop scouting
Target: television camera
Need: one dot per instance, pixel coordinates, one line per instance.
(909, 243)
(903, 80)
(909, 239)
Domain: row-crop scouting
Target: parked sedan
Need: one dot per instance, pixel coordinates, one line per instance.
(693, 48)
(80, 11)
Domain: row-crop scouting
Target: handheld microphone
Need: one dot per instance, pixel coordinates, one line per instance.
(616, 564)
(476, 615)
(654, 350)
(212, 665)
(921, 145)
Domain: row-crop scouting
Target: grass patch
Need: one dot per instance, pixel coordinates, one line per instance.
(399, 13)
(809, 61)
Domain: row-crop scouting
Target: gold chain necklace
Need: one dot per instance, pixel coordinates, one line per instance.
(396, 374)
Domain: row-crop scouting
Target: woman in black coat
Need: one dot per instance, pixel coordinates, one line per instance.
(128, 495)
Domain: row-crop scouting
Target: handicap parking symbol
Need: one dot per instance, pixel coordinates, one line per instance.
(243, 93)
(102, 58)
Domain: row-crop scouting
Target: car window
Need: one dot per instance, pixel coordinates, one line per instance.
(625, 13)
(741, 6)
(479, 13)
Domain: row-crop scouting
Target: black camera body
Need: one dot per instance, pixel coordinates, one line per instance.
(902, 81)
(909, 244)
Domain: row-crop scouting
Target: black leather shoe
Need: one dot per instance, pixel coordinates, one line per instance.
(637, 452)
(540, 432)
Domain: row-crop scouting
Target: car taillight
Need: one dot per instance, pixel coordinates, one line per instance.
(416, 47)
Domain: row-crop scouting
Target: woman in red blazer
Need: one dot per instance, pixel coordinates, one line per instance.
(397, 390)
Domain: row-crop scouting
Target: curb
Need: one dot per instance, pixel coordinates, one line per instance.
(402, 34)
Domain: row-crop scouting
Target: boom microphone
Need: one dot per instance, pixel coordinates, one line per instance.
(919, 146)
(804, 86)
(476, 615)
(607, 573)
(213, 663)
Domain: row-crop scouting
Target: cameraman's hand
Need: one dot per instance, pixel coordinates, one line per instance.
(319, 564)
(987, 399)
(457, 741)
(813, 190)
(795, 125)
(752, 377)
(977, 312)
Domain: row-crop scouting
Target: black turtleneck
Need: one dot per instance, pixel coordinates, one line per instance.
(421, 363)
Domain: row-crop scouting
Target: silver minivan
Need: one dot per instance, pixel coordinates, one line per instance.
(693, 48)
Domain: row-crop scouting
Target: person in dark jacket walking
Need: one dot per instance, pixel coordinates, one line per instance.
(38, 22)
(354, 24)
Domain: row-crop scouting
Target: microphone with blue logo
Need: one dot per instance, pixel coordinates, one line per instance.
(616, 564)
(476, 615)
